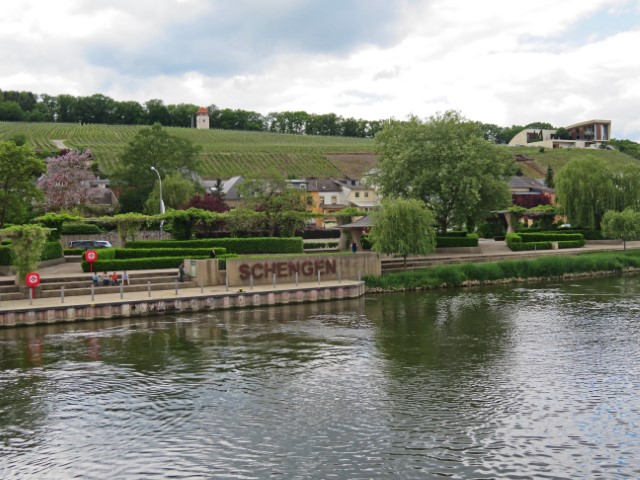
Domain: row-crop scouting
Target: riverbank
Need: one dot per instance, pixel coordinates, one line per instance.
(508, 271)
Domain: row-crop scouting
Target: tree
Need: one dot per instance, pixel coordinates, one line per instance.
(548, 178)
(54, 222)
(182, 222)
(269, 194)
(151, 147)
(446, 163)
(240, 220)
(585, 189)
(19, 169)
(176, 192)
(27, 245)
(67, 182)
(208, 201)
(624, 225)
(403, 227)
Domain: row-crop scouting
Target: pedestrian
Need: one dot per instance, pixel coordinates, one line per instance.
(181, 272)
(105, 279)
(354, 247)
(114, 279)
(125, 278)
(212, 254)
(95, 278)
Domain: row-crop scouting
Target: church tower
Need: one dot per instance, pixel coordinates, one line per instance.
(202, 119)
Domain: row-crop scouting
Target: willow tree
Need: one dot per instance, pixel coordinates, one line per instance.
(585, 189)
(623, 225)
(27, 245)
(446, 163)
(403, 227)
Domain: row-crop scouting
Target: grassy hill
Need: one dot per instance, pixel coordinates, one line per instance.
(225, 153)
(559, 157)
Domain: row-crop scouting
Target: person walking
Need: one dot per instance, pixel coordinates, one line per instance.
(354, 247)
(181, 272)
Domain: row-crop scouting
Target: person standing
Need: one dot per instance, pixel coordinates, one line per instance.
(212, 254)
(125, 278)
(181, 272)
(354, 247)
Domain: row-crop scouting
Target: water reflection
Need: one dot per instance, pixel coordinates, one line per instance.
(535, 382)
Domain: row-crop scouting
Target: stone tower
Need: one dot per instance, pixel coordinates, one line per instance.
(202, 119)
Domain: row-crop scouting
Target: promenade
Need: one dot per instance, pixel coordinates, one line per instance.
(127, 303)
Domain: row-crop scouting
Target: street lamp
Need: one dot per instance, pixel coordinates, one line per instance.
(161, 202)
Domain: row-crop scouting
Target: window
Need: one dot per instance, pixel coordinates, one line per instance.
(334, 199)
(366, 194)
(357, 194)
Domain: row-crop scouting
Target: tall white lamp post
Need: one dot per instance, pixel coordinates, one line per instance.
(161, 202)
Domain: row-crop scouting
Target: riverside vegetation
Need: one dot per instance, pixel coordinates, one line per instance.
(507, 271)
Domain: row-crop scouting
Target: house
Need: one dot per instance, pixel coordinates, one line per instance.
(530, 192)
(589, 134)
(229, 189)
(327, 198)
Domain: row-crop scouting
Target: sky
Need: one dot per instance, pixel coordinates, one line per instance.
(506, 62)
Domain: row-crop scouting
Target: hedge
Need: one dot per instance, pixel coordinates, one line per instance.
(124, 253)
(109, 265)
(51, 250)
(549, 237)
(233, 245)
(471, 240)
(80, 229)
(454, 234)
(515, 241)
(309, 245)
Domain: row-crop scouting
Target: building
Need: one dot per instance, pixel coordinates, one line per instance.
(202, 119)
(589, 134)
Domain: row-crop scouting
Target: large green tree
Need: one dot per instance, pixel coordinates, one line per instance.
(151, 147)
(403, 227)
(177, 190)
(284, 208)
(446, 163)
(19, 169)
(585, 189)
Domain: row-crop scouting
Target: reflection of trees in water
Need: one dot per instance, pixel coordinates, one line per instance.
(441, 330)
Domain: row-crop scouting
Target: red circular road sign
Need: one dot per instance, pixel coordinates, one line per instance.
(91, 256)
(33, 279)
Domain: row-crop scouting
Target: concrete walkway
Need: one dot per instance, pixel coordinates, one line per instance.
(488, 249)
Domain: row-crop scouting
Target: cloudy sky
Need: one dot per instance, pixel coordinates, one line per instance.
(499, 61)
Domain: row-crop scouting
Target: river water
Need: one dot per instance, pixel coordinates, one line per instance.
(532, 382)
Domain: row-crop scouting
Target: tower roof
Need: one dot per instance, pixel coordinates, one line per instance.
(203, 110)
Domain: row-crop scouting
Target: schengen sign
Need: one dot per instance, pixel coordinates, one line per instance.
(32, 279)
(305, 268)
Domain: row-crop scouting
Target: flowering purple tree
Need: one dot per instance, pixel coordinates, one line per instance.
(67, 183)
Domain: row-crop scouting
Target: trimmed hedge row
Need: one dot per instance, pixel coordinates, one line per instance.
(541, 267)
(124, 253)
(456, 234)
(51, 250)
(470, 240)
(109, 265)
(549, 237)
(309, 245)
(515, 242)
(233, 245)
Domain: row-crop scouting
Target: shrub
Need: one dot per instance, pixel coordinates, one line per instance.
(6, 257)
(52, 250)
(549, 237)
(233, 245)
(470, 240)
(149, 263)
(457, 234)
(124, 253)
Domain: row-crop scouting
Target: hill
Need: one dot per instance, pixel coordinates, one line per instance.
(225, 153)
(558, 157)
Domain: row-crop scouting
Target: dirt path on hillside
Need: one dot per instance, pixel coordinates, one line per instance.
(60, 144)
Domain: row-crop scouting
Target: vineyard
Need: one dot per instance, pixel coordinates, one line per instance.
(224, 153)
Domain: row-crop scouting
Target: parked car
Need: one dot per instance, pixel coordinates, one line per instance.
(87, 244)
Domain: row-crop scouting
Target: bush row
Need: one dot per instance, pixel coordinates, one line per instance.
(470, 240)
(233, 245)
(549, 237)
(51, 250)
(124, 253)
(541, 267)
(515, 242)
(108, 265)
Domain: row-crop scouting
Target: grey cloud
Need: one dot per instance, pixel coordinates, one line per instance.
(240, 37)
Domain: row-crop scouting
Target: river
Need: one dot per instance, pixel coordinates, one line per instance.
(525, 382)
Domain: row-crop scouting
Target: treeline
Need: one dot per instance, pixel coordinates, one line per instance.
(99, 109)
